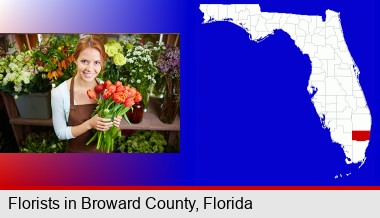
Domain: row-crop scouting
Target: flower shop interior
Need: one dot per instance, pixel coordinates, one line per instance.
(32, 65)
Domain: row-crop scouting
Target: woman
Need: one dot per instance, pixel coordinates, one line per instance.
(71, 107)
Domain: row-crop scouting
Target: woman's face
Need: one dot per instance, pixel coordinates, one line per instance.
(89, 64)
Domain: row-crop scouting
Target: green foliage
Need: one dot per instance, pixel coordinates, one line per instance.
(55, 57)
(137, 63)
(36, 70)
(43, 142)
(143, 142)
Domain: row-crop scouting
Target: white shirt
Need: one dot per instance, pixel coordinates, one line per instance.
(60, 105)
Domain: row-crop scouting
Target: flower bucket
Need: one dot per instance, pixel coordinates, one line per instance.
(136, 115)
(34, 105)
(170, 105)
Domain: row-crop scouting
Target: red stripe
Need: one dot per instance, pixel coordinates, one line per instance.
(362, 135)
(190, 188)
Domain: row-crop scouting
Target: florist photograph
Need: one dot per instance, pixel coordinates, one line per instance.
(75, 93)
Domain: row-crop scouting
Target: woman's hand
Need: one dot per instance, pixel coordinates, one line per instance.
(116, 121)
(98, 123)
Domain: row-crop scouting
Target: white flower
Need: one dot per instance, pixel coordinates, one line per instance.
(25, 77)
(9, 77)
(20, 57)
(18, 87)
(13, 66)
(138, 81)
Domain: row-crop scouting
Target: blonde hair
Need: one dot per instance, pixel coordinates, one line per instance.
(89, 41)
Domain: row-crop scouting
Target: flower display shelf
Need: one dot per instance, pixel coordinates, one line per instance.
(33, 122)
(22, 126)
(151, 121)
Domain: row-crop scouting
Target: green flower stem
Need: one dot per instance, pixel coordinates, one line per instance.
(99, 140)
(108, 106)
(105, 140)
(93, 138)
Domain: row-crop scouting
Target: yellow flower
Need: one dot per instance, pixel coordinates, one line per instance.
(119, 59)
(112, 48)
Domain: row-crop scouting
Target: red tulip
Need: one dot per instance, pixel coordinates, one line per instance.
(132, 91)
(119, 97)
(111, 88)
(106, 84)
(138, 97)
(129, 102)
(120, 88)
(99, 88)
(91, 94)
(107, 94)
(118, 84)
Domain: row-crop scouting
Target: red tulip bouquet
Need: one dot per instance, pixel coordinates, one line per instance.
(115, 101)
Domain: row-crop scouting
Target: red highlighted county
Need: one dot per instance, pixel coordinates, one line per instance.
(362, 135)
